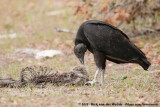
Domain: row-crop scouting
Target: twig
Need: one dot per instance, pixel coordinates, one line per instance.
(64, 30)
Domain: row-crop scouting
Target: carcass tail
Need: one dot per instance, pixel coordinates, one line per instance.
(144, 63)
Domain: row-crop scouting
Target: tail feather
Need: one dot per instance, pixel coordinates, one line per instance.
(144, 63)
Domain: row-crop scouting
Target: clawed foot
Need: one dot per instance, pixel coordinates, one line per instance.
(92, 83)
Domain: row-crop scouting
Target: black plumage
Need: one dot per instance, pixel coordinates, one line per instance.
(106, 42)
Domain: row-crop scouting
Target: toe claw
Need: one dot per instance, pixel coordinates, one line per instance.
(90, 83)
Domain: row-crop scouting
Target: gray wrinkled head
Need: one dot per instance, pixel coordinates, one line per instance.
(79, 51)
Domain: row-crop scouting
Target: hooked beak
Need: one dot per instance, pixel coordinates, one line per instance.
(82, 60)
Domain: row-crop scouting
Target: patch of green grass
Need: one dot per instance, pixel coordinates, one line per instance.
(13, 70)
(158, 49)
(8, 26)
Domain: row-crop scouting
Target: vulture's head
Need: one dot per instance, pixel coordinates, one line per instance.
(79, 51)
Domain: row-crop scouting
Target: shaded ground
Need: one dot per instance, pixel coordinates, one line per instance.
(34, 22)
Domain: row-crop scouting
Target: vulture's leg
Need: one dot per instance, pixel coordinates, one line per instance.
(95, 78)
(100, 61)
(102, 77)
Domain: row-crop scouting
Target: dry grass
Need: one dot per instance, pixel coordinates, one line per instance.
(33, 23)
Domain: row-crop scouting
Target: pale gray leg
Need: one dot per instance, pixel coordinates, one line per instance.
(95, 78)
(102, 77)
(96, 74)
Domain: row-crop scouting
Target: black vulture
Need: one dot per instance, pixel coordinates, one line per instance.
(106, 42)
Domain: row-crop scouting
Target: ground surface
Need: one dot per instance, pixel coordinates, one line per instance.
(33, 22)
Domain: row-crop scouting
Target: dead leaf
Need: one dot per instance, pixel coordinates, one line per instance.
(110, 21)
(81, 9)
(72, 89)
(121, 16)
(104, 9)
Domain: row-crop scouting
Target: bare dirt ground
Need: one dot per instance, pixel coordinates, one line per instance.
(33, 23)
